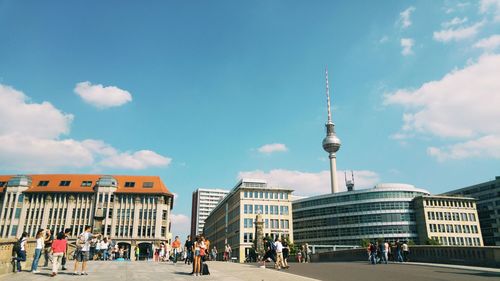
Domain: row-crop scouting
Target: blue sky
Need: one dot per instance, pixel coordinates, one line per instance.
(193, 91)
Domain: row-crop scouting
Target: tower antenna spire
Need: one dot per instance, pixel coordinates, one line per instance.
(328, 96)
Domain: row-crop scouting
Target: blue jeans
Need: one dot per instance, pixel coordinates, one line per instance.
(373, 257)
(399, 257)
(105, 255)
(21, 256)
(36, 258)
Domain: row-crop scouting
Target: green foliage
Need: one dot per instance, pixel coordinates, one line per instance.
(365, 242)
(431, 241)
(411, 243)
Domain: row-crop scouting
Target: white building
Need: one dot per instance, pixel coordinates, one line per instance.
(204, 201)
(232, 221)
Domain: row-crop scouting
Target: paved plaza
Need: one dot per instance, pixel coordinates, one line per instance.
(342, 271)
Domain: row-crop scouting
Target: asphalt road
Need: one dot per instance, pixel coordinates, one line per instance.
(360, 271)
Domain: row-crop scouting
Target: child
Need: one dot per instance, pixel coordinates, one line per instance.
(58, 249)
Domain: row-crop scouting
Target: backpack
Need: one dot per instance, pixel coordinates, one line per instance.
(204, 269)
(272, 247)
(17, 246)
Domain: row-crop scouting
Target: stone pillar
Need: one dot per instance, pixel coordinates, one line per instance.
(259, 235)
(137, 201)
(71, 209)
(47, 206)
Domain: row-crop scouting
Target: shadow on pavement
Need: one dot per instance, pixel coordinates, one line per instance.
(480, 274)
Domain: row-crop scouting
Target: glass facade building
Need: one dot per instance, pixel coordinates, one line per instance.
(385, 211)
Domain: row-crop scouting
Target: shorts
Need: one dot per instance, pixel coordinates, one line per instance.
(81, 255)
(197, 253)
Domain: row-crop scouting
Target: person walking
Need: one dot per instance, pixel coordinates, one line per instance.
(188, 247)
(82, 251)
(279, 254)
(176, 248)
(373, 253)
(20, 250)
(399, 254)
(227, 252)
(40, 238)
(286, 253)
(308, 253)
(384, 249)
(137, 251)
(49, 237)
(66, 233)
(406, 251)
(58, 249)
(214, 253)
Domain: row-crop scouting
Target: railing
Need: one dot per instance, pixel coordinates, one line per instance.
(473, 256)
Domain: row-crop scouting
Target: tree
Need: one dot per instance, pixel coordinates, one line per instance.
(431, 241)
(365, 242)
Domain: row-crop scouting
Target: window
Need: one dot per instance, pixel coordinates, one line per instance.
(41, 183)
(147, 184)
(86, 183)
(64, 183)
(132, 184)
(246, 194)
(14, 230)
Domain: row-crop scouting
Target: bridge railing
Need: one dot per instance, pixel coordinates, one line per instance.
(472, 256)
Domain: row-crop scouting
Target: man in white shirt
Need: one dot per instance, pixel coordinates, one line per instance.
(82, 250)
(279, 254)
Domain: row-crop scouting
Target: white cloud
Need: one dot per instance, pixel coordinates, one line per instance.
(407, 44)
(102, 97)
(484, 147)
(181, 225)
(30, 140)
(454, 21)
(462, 105)
(493, 6)
(138, 160)
(25, 153)
(457, 34)
(405, 17)
(306, 183)
(273, 147)
(18, 115)
(489, 44)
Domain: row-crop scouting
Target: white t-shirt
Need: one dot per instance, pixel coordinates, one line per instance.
(85, 237)
(104, 245)
(23, 243)
(279, 246)
(40, 242)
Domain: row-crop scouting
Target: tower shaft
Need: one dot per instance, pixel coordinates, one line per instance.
(333, 173)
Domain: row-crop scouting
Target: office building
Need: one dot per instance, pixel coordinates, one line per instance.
(346, 218)
(487, 195)
(133, 210)
(232, 220)
(204, 201)
(452, 221)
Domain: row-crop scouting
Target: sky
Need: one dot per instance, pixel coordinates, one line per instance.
(202, 93)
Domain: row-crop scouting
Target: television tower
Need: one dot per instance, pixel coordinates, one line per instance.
(331, 143)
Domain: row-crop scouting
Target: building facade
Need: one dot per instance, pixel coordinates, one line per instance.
(129, 209)
(452, 221)
(346, 218)
(232, 220)
(487, 195)
(203, 202)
